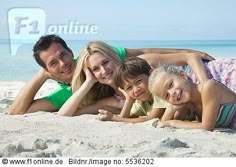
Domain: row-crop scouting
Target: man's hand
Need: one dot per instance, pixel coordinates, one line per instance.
(43, 72)
(206, 56)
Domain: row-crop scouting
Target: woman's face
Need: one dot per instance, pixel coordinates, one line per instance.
(102, 68)
(172, 88)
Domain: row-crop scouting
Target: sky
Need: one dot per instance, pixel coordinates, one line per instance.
(120, 20)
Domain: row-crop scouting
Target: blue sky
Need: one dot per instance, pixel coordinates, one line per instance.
(136, 19)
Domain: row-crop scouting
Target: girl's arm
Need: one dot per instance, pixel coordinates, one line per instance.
(192, 59)
(210, 108)
(169, 113)
(179, 112)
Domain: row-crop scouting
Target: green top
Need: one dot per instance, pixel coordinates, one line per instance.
(64, 92)
(142, 108)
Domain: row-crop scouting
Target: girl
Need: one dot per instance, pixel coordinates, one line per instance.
(212, 101)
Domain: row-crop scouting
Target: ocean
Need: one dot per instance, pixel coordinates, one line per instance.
(22, 66)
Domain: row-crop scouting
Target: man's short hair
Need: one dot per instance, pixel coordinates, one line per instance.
(44, 43)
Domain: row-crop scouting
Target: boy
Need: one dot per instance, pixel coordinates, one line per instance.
(140, 105)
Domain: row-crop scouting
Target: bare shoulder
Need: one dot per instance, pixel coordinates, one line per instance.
(215, 89)
(210, 85)
(210, 88)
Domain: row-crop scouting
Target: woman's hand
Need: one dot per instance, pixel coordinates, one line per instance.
(89, 76)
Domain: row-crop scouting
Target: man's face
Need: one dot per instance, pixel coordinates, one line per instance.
(59, 62)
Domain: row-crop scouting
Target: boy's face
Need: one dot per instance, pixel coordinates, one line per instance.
(137, 88)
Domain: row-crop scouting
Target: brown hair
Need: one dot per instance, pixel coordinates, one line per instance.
(130, 68)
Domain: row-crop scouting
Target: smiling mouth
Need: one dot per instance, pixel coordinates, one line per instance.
(140, 94)
(67, 69)
(107, 76)
(179, 95)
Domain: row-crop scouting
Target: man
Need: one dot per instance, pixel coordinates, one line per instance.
(56, 59)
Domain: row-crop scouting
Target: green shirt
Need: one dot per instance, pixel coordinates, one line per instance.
(64, 92)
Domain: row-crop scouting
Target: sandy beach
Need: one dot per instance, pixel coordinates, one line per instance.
(45, 134)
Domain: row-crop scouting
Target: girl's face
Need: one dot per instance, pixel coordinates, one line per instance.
(102, 68)
(172, 88)
(137, 88)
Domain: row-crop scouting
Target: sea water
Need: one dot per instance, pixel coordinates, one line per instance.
(22, 66)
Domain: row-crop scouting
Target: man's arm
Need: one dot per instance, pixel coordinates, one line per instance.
(192, 59)
(137, 52)
(24, 101)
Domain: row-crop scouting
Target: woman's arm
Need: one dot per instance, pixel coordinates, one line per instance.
(70, 107)
(192, 59)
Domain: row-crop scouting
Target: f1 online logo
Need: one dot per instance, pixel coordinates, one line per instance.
(25, 25)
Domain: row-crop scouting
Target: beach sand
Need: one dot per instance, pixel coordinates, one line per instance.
(45, 134)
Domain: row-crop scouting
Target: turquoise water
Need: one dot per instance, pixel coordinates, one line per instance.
(22, 66)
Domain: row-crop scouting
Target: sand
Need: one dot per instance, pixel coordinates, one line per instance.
(43, 134)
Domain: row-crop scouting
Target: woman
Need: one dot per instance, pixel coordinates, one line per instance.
(93, 84)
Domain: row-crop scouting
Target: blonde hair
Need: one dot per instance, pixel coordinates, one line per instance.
(157, 72)
(98, 91)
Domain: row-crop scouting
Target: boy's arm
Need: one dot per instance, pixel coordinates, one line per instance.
(108, 116)
(24, 101)
(137, 52)
(125, 112)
